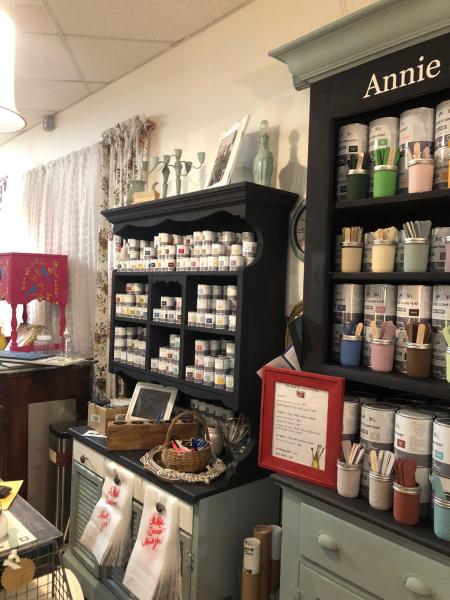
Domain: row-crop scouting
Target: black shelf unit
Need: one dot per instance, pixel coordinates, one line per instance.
(260, 320)
(326, 216)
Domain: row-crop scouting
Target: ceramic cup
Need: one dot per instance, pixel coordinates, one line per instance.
(380, 491)
(420, 175)
(348, 478)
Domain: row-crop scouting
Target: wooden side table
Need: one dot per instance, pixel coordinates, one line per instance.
(21, 387)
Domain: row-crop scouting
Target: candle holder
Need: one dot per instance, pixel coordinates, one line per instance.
(177, 166)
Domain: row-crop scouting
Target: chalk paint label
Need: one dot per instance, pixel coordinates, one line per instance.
(413, 436)
(377, 423)
(441, 447)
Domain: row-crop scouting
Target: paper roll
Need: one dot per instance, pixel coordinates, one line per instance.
(264, 534)
(250, 586)
(252, 548)
(275, 553)
(274, 575)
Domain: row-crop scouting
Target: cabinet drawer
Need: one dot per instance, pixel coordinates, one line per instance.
(186, 510)
(90, 459)
(315, 587)
(373, 563)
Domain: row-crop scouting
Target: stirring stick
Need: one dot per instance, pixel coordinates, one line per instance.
(374, 329)
(373, 461)
(360, 160)
(391, 156)
(359, 329)
(346, 449)
(420, 334)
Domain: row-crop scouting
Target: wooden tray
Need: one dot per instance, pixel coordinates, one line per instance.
(144, 436)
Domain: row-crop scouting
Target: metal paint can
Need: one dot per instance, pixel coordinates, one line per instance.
(352, 138)
(416, 126)
(380, 304)
(413, 306)
(442, 124)
(438, 367)
(383, 132)
(377, 425)
(440, 309)
(414, 435)
(400, 252)
(351, 417)
(440, 179)
(436, 260)
(348, 302)
(441, 447)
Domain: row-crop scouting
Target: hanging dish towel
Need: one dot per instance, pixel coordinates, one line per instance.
(107, 535)
(153, 571)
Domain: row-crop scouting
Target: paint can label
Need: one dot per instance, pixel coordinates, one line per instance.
(413, 436)
(436, 259)
(438, 367)
(441, 447)
(442, 124)
(440, 310)
(377, 424)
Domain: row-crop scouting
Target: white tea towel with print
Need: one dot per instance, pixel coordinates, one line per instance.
(107, 535)
(153, 571)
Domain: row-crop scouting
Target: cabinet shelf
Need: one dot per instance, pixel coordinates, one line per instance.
(219, 332)
(164, 324)
(436, 199)
(430, 278)
(130, 320)
(435, 388)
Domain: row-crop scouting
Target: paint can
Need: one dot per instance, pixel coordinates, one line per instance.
(351, 418)
(352, 138)
(383, 132)
(439, 346)
(414, 435)
(413, 306)
(441, 447)
(367, 252)
(380, 304)
(442, 124)
(416, 126)
(440, 310)
(440, 178)
(400, 252)
(348, 301)
(436, 260)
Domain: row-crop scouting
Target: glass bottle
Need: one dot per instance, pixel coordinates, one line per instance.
(263, 163)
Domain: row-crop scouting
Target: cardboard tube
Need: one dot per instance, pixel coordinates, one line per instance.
(264, 534)
(250, 586)
(275, 558)
(250, 572)
(274, 575)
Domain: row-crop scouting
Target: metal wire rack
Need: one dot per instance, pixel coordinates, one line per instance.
(50, 581)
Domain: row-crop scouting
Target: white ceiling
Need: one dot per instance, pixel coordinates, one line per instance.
(68, 49)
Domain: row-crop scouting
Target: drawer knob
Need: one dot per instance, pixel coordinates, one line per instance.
(326, 541)
(417, 586)
(83, 459)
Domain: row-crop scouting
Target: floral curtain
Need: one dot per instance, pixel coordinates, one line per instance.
(124, 147)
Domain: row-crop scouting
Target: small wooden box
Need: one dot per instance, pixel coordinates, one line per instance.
(100, 416)
(145, 436)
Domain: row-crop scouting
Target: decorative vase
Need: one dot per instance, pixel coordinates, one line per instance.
(134, 185)
(263, 163)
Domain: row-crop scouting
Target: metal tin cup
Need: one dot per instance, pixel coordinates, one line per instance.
(383, 256)
(350, 351)
(416, 255)
(406, 504)
(357, 184)
(384, 180)
(351, 257)
(418, 360)
(441, 518)
(420, 175)
(380, 491)
(348, 478)
(441, 447)
(382, 355)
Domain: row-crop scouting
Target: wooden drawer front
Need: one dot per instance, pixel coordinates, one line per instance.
(186, 510)
(371, 562)
(90, 459)
(315, 587)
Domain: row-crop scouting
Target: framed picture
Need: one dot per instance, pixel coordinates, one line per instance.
(151, 401)
(226, 153)
(301, 424)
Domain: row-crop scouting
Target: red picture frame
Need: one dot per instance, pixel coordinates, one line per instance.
(335, 387)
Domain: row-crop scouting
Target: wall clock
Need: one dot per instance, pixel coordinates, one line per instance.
(297, 225)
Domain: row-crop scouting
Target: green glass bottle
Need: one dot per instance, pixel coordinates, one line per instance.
(263, 163)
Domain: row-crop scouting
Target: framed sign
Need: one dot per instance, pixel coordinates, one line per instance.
(151, 401)
(301, 424)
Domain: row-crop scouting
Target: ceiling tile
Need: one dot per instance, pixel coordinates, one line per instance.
(106, 60)
(48, 96)
(139, 19)
(40, 56)
(31, 17)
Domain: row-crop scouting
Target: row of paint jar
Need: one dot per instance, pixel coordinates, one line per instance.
(418, 356)
(214, 415)
(130, 345)
(170, 310)
(214, 347)
(415, 258)
(168, 361)
(164, 239)
(131, 305)
(221, 376)
(189, 263)
(421, 127)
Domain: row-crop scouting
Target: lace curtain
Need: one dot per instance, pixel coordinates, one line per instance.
(60, 207)
(124, 147)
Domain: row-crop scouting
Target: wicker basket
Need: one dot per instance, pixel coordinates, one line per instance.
(186, 462)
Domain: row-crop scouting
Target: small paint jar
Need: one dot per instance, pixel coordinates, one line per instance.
(192, 319)
(380, 491)
(416, 255)
(351, 257)
(384, 180)
(383, 256)
(447, 254)
(420, 175)
(441, 517)
(350, 353)
(348, 478)
(357, 184)
(406, 504)
(418, 360)
(447, 364)
(382, 355)
(189, 372)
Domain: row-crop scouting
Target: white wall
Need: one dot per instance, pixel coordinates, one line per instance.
(196, 90)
